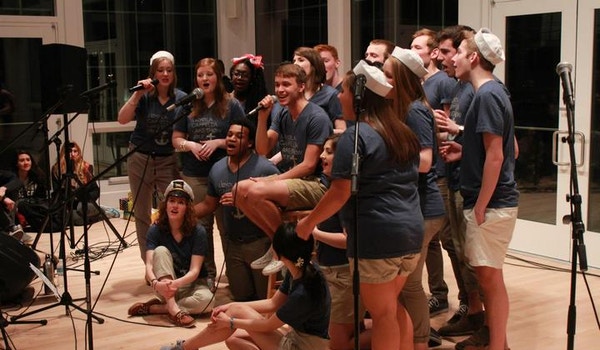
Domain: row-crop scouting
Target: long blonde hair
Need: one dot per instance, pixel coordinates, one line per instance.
(81, 168)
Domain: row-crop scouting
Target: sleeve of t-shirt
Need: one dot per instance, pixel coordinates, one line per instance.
(420, 122)
(200, 241)
(490, 111)
(152, 236)
(335, 108)
(342, 161)
(319, 127)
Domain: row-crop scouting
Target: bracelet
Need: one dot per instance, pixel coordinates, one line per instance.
(182, 145)
(231, 323)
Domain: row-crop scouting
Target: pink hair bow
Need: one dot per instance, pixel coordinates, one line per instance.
(256, 61)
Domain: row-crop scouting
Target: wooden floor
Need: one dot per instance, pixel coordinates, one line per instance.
(539, 303)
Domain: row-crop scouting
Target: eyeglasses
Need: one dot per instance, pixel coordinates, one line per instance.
(240, 75)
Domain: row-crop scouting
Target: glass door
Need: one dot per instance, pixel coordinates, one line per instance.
(539, 35)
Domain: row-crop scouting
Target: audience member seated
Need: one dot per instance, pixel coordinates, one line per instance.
(175, 251)
(82, 174)
(33, 203)
(8, 184)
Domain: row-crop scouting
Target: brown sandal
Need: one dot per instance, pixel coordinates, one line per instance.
(182, 319)
(142, 309)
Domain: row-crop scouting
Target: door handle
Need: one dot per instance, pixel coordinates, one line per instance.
(561, 137)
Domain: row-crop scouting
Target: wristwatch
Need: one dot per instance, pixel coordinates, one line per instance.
(451, 137)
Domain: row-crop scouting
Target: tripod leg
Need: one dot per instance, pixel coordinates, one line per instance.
(112, 227)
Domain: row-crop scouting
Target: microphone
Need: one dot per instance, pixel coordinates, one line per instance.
(261, 107)
(141, 86)
(563, 70)
(194, 95)
(359, 87)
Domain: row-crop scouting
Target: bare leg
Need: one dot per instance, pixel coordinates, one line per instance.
(259, 202)
(496, 304)
(382, 302)
(211, 334)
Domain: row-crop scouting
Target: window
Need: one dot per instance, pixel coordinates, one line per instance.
(120, 38)
(397, 20)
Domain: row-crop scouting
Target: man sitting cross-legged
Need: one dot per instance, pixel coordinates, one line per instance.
(299, 129)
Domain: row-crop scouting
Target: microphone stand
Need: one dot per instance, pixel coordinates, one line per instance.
(354, 176)
(575, 218)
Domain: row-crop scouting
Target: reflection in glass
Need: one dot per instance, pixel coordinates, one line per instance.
(533, 50)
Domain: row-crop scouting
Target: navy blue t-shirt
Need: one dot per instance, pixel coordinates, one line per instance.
(490, 112)
(463, 96)
(438, 89)
(327, 99)
(420, 120)
(151, 116)
(328, 255)
(207, 126)
(195, 244)
(221, 180)
(303, 313)
(311, 127)
(390, 222)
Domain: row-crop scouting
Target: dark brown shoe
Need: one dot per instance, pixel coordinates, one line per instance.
(182, 319)
(142, 309)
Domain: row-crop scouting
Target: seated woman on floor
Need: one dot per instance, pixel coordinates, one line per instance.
(176, 247)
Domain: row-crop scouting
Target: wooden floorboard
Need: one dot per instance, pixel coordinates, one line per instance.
(538, 316)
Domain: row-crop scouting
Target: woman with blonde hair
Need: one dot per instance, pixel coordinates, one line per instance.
(153, 165)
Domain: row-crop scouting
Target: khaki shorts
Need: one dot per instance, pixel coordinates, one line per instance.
(294, 340)
(486, 244)
(304, 193)
(339, 280)
(378, 271)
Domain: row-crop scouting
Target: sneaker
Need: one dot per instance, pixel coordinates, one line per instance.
(463, 309)
(435, 339)
(479, 339)
(437, 306)
(16, 232)
(178, 346)
(467, 325)
(273, 267)
(263, 261)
